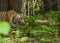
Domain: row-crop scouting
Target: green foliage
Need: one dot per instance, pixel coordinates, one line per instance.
(24, 39)
(21, 40)
(40, 30)
(52, 15)
(4, 28)
(45, 39)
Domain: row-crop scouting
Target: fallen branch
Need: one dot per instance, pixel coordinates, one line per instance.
(41, 21)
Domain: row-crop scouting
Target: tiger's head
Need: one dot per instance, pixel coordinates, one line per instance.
(19, 18)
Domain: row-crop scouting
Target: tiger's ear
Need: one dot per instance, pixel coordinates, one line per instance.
(22, 15)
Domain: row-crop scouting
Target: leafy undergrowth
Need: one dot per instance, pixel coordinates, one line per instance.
(36, 32)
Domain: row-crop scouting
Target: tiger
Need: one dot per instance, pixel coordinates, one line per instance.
(12, 17)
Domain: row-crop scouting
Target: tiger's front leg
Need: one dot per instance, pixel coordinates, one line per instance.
(10, 20)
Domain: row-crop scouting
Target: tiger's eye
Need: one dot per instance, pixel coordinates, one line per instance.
(19, 16)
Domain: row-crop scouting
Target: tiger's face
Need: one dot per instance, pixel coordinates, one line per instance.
(19, 19)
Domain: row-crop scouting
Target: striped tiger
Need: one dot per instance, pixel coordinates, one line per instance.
(12, 17)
